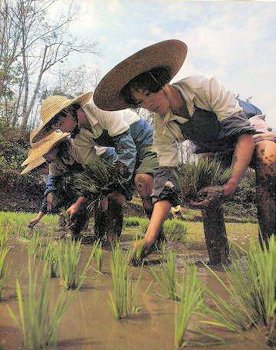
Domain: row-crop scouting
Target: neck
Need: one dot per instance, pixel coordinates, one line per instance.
(177, 102)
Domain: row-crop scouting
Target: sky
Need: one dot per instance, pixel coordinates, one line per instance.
(234, 41)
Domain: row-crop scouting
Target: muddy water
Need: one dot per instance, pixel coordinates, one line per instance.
(89, 324)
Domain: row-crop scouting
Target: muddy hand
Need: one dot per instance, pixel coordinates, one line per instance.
(140, 250)
(209, 197)
(33, 222)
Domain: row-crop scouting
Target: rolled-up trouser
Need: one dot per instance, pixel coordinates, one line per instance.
(166, 186)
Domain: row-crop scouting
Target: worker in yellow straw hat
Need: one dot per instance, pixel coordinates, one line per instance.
(56, 147)
(202, 110)
(126, 131)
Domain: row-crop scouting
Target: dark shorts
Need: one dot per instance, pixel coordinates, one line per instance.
(166, 186)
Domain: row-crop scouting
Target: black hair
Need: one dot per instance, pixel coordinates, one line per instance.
(152, 81)
(63, 149)
(72, 110)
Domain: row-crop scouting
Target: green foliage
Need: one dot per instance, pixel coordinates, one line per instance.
(252, 281)
(3, 269)
(166, 277)
(68, 260)
(193, 176)
(51, 253)
(3, 238)
(123, 296)
(97, 252)
(38, 320)
(98, 179)
(175, 230)
(191, 302)
(132, 221)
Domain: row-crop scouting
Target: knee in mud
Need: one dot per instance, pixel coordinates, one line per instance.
(143, 184)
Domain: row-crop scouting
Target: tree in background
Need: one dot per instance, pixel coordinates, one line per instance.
(31, 45)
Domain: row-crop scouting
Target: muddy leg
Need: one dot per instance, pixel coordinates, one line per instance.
(114, 220)
(62, 221)
(100, 222)
(264, 164)
(77, 223)
(215, 235)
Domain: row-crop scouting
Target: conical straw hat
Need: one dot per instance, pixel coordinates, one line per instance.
(40, 148)
(169, 54)
(53, 105)
(32, 165)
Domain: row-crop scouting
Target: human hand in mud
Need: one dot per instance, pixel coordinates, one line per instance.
(33, 222)
(209, 196)
(76, 207)
(139, 250)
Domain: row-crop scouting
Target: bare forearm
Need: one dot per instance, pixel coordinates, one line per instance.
(241, 159)
(160, 212)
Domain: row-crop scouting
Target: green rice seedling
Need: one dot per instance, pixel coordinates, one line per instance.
(175, 230)
(251, 288)
(35, 244)
(98, 255)
(37, 318)
(3, 269)
(195, 175)
(50, 253)
(166, 276)
(191, 303)
(98, 178)
(131, 221)
(68, 261)
(123, 295)
(3, 238)
(143, 223)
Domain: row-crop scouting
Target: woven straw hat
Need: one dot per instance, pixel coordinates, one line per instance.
(32, 165)
(40, 148)
(169, 54)
(52, 105)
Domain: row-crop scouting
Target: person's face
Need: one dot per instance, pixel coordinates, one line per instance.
(156, 102)
(65, 123)
(51, 155)
(43, 169)
(82, 120)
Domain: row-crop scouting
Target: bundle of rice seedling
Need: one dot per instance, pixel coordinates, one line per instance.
(193, 176)
(100, 178)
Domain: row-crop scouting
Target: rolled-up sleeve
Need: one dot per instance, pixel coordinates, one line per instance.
(236, 125)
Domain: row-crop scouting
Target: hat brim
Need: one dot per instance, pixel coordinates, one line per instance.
(45, 146)
(169, 54)
(82, 99)
(34, 164)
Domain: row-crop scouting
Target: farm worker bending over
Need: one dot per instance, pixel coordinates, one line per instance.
(56, 146)
(199, 109)
(37, 167)
(90, 128)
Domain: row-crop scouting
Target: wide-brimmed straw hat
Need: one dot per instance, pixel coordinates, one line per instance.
(169, 54)
(40, 148)
(52, 105)
(32, 165)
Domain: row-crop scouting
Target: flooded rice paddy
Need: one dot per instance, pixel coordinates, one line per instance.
(88, 322)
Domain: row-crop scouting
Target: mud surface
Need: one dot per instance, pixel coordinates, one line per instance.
(89, 322)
